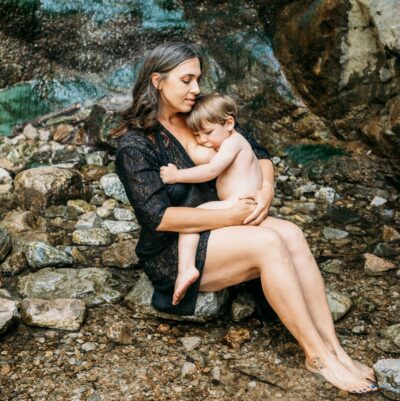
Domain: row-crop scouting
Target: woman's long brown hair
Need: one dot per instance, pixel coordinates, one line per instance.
(143, 111)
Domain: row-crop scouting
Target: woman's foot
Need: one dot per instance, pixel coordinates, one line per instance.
(340, 376)
(183, 281)
(355, 366)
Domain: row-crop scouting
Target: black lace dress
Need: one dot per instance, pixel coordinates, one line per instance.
(138, 162)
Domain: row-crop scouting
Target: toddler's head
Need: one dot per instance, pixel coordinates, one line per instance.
(212, 119)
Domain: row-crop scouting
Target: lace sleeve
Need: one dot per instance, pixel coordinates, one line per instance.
(260, 151)
(139, 172)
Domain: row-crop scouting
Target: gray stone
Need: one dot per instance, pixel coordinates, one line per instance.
(122, 255)
(339, 304)
(209, 304)
(378, 201)
(91, 284)
(88, 346)
(56, 211)
(8, 314)
(375, 266)
(117, 227)
(93, 236)
(38, 255)
(334, 233)
(326, 195)
(113, 187)
(190, 343)
(385, 250)
(5, 243)
(40, 187)
(304, 189)
(98, 158)
(390, 339)
(188, 369)
(76, 207)
(123, 214)
(388, 377)
(333, 266)
(14, 264)
(5, 177)
(242, 307)
(89, 220)
(61, 313)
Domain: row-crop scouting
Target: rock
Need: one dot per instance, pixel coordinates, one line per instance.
(235, 337)
(93, 236)
(121, 333)
(123, 214)
(77, 207)
(14, 264)
(107, 208)
(191, 343)
(17, 222)
(113, 187)
(385, 251)
(5, 244)
(90, 284)
(242, 307)
(388, 377)
(30, 132)
(37, 188)
(121, 254)
(56, 211)
(63, 133)
(188, 369)
(378, 201)
(301, 207)
(88, 221)
(5, 177)
(334, 233)
(333, 266)
(390, 234)
(8, 314)
(326, 195)
(339, 304)
(304, 189)
(98, 158)
(209, 304)
(88, 346)
(375, 266)
(390, 339)
(94, 173)
(66, 314)
(116, 227)
(38, 255)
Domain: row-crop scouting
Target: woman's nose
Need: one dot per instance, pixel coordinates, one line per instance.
(195, 88)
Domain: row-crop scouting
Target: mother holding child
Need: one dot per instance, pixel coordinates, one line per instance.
(201, 234)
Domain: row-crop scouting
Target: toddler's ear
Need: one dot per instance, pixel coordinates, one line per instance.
(230, 123)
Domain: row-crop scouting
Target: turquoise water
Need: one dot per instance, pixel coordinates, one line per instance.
(306, 154)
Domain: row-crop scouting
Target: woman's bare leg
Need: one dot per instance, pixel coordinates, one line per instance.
(237, 254)
(187, 247)
(313, 289)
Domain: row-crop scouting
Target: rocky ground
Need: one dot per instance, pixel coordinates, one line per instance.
(70, 332)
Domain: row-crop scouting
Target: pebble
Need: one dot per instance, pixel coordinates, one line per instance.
(188, 369)
(190, 343)
(334, 233)
(378, 201)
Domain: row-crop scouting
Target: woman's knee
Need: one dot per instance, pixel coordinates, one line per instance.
(269, 241)
(293, 236)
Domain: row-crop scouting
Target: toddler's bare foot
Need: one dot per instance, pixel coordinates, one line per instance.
(340, 376)
(355, 366)
(183, 281)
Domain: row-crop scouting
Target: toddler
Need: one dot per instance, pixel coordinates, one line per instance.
(233, 163)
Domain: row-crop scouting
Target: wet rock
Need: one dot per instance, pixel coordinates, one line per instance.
(339, 304)
(116, 227)
(5, 244)
(385, 251)
(242, 307)
(38, 255)
(326, 195)
(341, 215)
(390, 234)
(209, 304)
(378, 201)
(92, 284)
(333, 266)
(235, 337)
(191, 343)
(334, 233)
(93, 236)
(65, 314)
(40, 187)
(113, 187)
(89, 220)
(121, 254)
(14, 264)
(375, 266)
(98, 158)
(123, 214)
(8, 314)
(77, 207)
(388, 377)
(121, 333)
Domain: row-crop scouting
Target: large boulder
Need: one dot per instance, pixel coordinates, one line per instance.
(37, 188)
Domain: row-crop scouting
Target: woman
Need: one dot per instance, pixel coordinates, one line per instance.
(237, 244)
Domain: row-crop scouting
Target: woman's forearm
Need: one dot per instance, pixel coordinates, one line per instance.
(190, 220)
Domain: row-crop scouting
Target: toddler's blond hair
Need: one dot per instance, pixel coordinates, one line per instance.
(212, 108)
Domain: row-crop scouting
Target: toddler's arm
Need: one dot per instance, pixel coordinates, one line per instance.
(205, 172)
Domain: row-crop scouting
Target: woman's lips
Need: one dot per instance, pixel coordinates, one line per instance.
(190, 101)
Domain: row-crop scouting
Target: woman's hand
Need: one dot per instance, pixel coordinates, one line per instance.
(263, 199)
(240, 210)
(169, 174)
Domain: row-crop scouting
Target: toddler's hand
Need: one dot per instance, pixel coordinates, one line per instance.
(169, 174)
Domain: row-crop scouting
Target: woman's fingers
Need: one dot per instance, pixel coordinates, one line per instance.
(248, 196)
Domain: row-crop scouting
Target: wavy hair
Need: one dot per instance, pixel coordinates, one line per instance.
(143, 111)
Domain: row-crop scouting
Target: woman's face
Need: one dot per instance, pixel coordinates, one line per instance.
(180, 87)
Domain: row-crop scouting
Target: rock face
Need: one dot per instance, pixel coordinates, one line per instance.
(92, 284)
(388, 375)
(8, 314)
(66, 314)
(209, 304)
(40, 187)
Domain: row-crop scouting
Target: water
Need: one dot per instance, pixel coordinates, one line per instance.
(306, 154)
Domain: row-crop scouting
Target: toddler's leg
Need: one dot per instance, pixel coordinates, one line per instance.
(187, 247)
